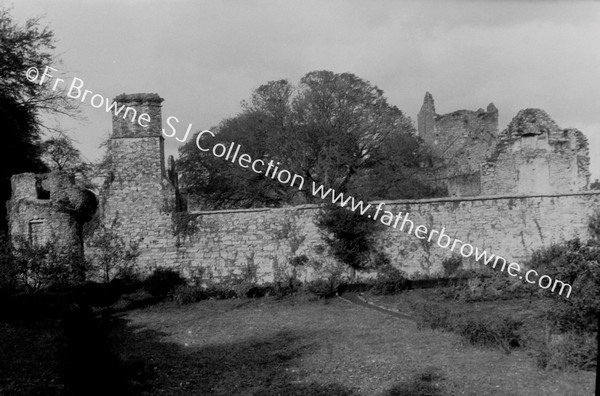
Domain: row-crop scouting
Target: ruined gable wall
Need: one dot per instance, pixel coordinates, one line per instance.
(534, 155)
(465, 137)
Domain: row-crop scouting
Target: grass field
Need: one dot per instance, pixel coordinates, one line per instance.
(531, 311)
(325, 347)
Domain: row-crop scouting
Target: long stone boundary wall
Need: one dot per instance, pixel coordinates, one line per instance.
(233, 241)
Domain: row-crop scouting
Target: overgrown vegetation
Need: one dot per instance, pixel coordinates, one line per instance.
(351, 237)
(569, 325)
(162, 282)
(30, 267)
(452, 264)
(390, 280)
(184, 225)
(109, 255)
(577, 263)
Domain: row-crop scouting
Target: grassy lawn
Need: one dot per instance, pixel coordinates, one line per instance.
(325, 347)
(532, 311)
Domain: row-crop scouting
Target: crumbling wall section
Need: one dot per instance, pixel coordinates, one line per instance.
(49, 208)
(460, 141)
(534, 155)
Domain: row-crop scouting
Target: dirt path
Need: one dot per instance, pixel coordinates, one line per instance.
(358, 299)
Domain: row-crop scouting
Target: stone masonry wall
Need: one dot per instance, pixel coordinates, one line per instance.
(227, 242)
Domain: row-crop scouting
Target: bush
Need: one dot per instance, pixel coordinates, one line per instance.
(40, 266)
(569, 351)
(501, 332)
(498, 331)
(109, 254)
(451, 265)
(189, 294)
(390, 280)
(487, 285)
(324, 288)
(350, 236)
(285, 288)
(162, 282)
(576, 263)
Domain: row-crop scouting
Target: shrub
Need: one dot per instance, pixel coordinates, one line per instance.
(162, 282)
(390, 280)
(324, 288)
(487, 285)
(576, 263)
(109, 255)
(285, 288)
(40, 266)
(451, 265)
(569, 351)
(350, 235)
(501, 332)
(220, 292)
(189, 294)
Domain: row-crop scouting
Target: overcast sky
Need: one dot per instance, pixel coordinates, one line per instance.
(204, 57)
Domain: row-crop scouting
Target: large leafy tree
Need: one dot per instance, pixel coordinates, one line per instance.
(332, 129)
(23, 103)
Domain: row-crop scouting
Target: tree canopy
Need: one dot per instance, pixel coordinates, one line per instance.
(333, 129)
(22, 103)
(59, 153)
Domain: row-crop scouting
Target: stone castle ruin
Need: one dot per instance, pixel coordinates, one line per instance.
(50, 208)
(531, 156)
(511, 193)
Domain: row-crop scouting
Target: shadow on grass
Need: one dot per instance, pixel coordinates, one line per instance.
(72, 351)
(429, 382)
(265, 365)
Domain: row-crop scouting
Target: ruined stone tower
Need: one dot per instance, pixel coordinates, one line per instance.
(460, 142)
(138, 197)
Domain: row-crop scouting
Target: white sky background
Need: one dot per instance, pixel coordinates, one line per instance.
(204, 57)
